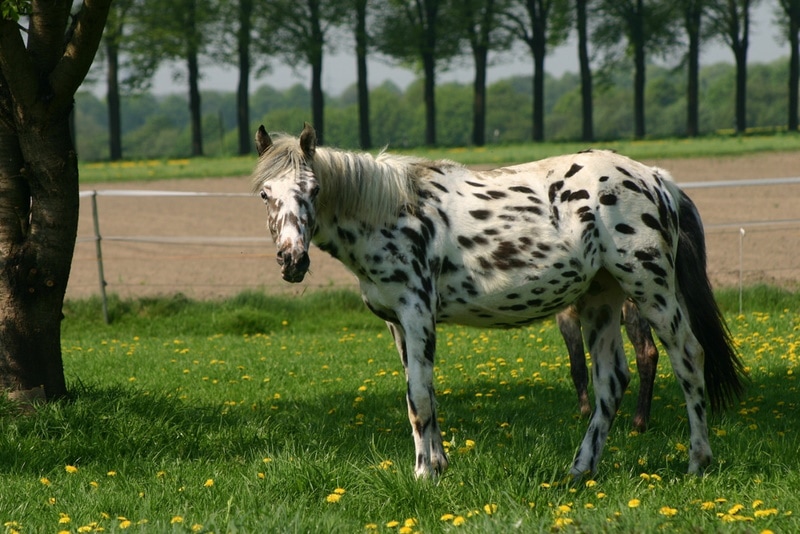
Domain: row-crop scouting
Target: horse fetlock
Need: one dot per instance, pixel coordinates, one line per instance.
(699, 459)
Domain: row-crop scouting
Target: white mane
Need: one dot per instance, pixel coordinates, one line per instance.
(369, 188)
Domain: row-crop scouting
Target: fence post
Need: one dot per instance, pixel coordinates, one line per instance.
(99, 251)
(741, 266)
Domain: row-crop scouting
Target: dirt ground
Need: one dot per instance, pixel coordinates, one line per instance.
(216, 246)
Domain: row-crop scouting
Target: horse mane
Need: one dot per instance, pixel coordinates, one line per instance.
(353, 185)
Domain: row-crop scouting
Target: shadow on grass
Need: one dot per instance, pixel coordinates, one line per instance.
(531, 430)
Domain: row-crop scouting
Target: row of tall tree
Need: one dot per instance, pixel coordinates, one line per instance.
(158, 126)
(428, 35)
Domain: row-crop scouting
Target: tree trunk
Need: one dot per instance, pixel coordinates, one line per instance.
(539, 49)
(39, 212)
(195, 109)
(364, 135)
(113, 98)
(480, 55)
(587, 113)
(39, 200)
(740, 54)
(794, 65)
(640, 67)
(429, 95)
(243, 88)
(693, 16)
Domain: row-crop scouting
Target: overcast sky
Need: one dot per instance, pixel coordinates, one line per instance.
(339, 69)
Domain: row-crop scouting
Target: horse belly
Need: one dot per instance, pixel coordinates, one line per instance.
(514, 305)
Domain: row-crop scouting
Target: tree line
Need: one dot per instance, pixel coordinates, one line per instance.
(612, 36)
(159, 126)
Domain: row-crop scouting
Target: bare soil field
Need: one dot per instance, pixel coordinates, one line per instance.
(216, 246)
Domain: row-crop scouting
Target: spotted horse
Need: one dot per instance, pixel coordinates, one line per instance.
(432, 241)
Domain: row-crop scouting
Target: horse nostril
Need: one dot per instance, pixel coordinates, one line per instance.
(280, 258)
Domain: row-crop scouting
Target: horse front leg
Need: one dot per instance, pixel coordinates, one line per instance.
(416, 344)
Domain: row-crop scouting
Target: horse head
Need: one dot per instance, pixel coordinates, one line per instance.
(289, 188)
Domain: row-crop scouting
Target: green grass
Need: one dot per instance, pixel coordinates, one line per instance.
(247, 415)
(711, 146)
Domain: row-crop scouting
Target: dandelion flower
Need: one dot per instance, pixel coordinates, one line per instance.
(708, 505)
(63, 519)
(634, 503)
(208, 483)
(71, 469)
(447, 517)
(45, 481)
(124, 524)
(766, 512)
(371, 526)
(176, 519)
(458, 521)
(667, 511)
(392, 524)
(490, 508)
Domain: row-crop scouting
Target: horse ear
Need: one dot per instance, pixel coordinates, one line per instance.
(308, 140)
(263, 140)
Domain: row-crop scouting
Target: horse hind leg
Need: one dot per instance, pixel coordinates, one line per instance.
(638, 330)
(670, 321)
(600, 318)
(569, 324)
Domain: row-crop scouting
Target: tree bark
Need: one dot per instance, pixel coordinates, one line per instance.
(640, 66)
(113, 101)
(243, 88)
(587, 113)
(315, 59)
(480, 55)
(195, 109)
(364, 134)
(794, 64)
(39, 198)
(693, 20)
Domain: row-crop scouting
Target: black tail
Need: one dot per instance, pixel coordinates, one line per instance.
(724, 371)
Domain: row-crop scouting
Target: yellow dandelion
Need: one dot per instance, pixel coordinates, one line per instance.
(111, 474)
(45, 481)
(410, 522)
(208, 483)
(757, 503)
(63, 519)
(176, 519)
(591, 483)
(634, 503)
(124, 524)
(447, 517)
(707, 505)
(197, 527)
(735, 509)
(562, 522)
(371, 526)
(392, 524)
(71, 469)
(458, 521)
(667, 511)
(588, 506)
(333, 497)
(490, 508)
(766, 512)
(680, 447)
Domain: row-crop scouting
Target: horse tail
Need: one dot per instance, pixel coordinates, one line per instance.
(723, 368)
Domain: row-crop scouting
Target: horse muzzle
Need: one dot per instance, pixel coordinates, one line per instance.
(294, 266)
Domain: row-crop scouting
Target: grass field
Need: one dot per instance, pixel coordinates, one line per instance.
(262, 414)
(720, 145)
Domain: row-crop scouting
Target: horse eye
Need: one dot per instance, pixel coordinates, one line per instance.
(264, 195)
(314, 191)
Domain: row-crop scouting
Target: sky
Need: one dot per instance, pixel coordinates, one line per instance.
(339, 69)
